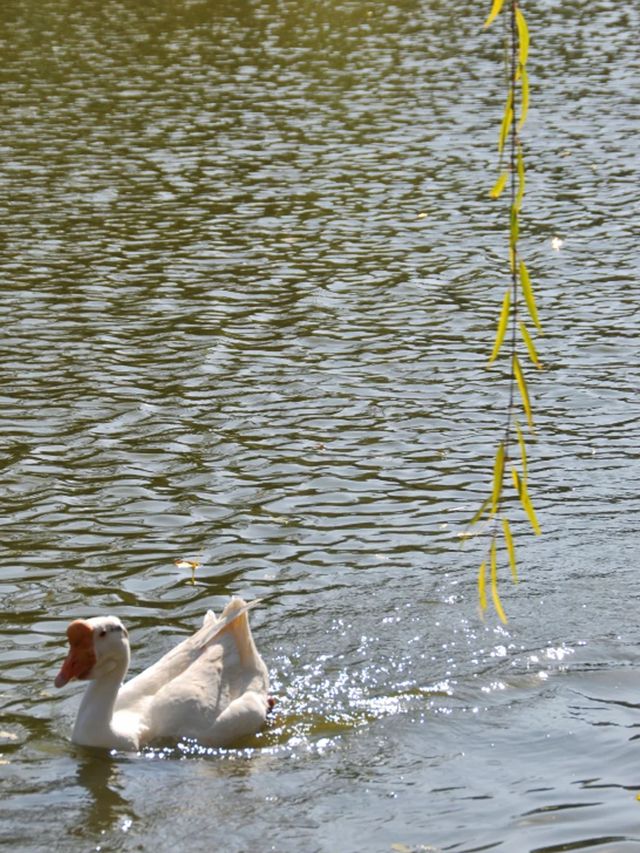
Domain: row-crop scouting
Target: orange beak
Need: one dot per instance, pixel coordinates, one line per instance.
(82, 657)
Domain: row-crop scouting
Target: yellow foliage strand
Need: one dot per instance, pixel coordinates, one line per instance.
(527, 292)
(495, 11)
(482, 589)
(494, 585)
(528, 506)
(524, 107)
(523, 36)
(521, 179)
(528, 341)
(507, 121)
(524, 393)
(499, 185)
(523, 450)
(514, 176)
(508, 538)
(483, 508)
(502, 325)
(514, 230)
(498, 473)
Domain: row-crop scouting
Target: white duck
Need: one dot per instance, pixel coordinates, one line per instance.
(213, 686)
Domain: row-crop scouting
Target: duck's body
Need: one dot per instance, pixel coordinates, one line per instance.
(212, 687)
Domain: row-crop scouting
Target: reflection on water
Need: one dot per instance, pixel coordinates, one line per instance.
(251, 277)
(105, 808)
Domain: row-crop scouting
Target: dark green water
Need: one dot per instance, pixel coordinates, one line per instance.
(249, 278)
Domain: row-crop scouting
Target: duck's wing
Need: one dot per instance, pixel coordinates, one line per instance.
(137, 693)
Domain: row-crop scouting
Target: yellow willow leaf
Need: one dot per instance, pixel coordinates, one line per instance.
(516, 479)
(528, 506)
(508, 538)
(483, 508)
(523, 451)
(524, 109)
(521, 180)
(526, 337)
(499, 185)
(494, 585)
(514, 228)
(498, 473)
(493, 14)
(522, 386)
(507, 120)
(482, 591)
(527, 291)
(502, 325)
(523, 36)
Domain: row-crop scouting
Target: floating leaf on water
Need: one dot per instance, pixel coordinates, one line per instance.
(502, 325)
(495, 11)
(188, 564)
(7, 735)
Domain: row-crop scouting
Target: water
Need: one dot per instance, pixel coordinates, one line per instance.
(250, 280)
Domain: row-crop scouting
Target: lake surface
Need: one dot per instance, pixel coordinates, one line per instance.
(250, 277)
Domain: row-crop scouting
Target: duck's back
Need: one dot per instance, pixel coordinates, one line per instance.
(213, 686)
(218, 688)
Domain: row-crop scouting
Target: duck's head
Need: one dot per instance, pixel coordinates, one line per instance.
(97, 646)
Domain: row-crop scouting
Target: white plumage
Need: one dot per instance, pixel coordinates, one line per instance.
(213, 686)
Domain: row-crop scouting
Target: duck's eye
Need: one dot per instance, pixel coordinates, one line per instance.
(103, 632)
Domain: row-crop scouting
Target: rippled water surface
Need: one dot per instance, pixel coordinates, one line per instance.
(250, 276)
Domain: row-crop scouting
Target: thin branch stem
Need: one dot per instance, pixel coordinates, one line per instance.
(513, 73)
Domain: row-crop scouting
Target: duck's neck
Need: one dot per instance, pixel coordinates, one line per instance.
(94, 721)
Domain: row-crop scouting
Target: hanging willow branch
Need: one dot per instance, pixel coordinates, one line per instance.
(511, 454)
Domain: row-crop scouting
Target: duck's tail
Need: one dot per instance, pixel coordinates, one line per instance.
(212, 625)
